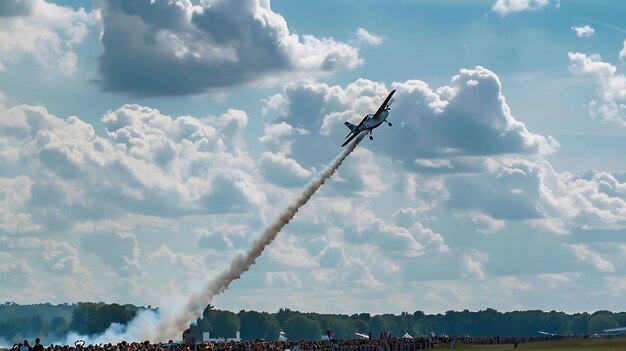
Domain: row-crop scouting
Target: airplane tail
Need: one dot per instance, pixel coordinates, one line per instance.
(350, 126)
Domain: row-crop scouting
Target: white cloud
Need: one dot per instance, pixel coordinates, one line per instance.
(222, 236)
(404, 234)
(14, 217)
(584, 31)
(525, 190)
(147, 163)
(118, 250)
(473, 262)
(15, 273)
(208, 45)
(48, 32)
(283, 171)
(59, 256)
(584, 254)
(504, 7)
(364, 36)
(192, 265)
(288, 253)
(555, 277)
(484, 223)
(288, 278)
(357, 273)
(616, 285)
(430, 143)
(622, 54)
(514, 283)
(611, 89)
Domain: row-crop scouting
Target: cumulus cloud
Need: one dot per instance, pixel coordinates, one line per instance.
(584, 31)
(622, 54)
(48, 32)
(15, 273)
(192, 265)
(118, 250)
(404, 234)
(288, 252)
(147, 163)
(441, 130)
(175, 48)
(610, 106)
(364, 36)
(484, 223)
(584, 254)
(287, 278)
(473, 262)
(14, 196)
(222, 236)
(504, 7)
(283, 171)
(524, 190)
(59, 257)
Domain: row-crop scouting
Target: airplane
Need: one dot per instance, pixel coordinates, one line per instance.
(370, 121)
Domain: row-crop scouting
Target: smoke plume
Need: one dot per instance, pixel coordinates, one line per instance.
(172, 318)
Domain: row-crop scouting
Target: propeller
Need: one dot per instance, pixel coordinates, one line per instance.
(389, 104)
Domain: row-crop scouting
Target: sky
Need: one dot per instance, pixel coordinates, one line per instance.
(143, 144)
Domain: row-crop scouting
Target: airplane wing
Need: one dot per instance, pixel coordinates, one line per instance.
(350, 139)
(361, 123)
(385, 103)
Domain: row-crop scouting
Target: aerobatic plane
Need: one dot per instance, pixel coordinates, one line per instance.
(370, 121)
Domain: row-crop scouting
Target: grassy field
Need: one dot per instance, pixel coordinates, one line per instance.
(617, 344)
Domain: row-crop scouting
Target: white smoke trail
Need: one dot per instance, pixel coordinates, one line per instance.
(171, 320)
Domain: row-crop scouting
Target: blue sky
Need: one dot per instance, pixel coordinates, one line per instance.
(143, 144)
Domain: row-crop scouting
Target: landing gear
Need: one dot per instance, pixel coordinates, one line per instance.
(389, 124)
(371, 137)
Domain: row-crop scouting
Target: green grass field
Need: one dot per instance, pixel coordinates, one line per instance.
(617, 344)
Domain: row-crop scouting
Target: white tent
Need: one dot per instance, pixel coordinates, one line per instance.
(407, 336)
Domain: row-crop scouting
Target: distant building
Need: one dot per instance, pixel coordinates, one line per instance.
(615, 331)
(206, 337)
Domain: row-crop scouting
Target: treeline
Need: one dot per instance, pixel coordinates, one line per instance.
(28, 321)
(53, 322)
(489, 322)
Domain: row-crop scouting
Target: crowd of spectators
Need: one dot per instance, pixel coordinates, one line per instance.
(387, 344)
(383, 344)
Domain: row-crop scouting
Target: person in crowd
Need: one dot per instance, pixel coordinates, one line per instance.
(38, 346)
(25, 346)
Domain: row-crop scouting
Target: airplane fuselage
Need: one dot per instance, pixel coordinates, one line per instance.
(370, 121)
(373, 121)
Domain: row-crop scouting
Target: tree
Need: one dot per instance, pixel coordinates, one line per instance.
(37, 325)
(298, 326)
(9, 328)
(82, 317)
(361, 326)
(91, 318)
(273, 327)
(57, 326)
(224, 323)
(109, 314)
(282, 315)
(580, 324)
(599, 322)
(256, 325)
(252, 325)
(383, 323)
